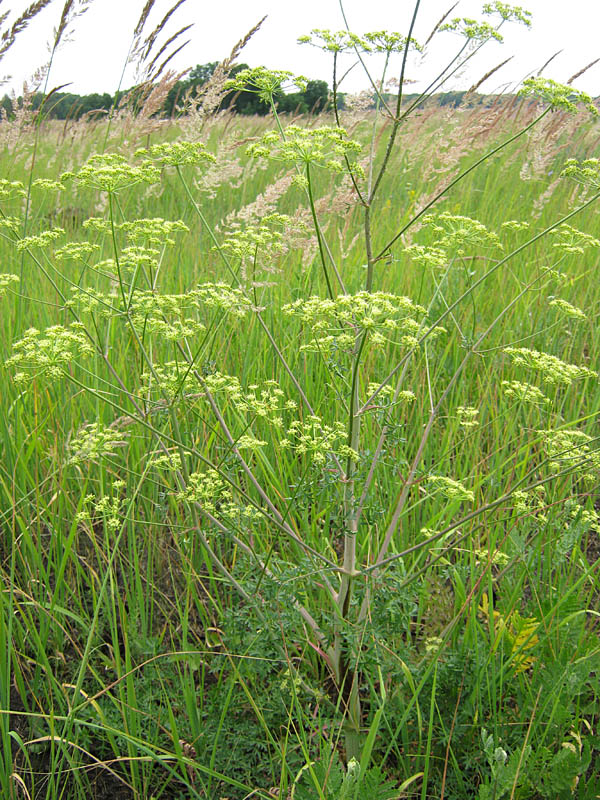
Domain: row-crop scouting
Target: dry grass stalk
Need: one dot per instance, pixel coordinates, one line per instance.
(487, 75)
(22, 120)
(581, 71)
(138, 110)
(439, 23)
(169, 58)
(263, 204)
(152, 37)
(64, 21)
(154, 75)
(143, 18)
(154, 94)
(550, 60)
(545, 142)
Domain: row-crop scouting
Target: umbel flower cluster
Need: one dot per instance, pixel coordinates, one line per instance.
(49, 354)
(210, 491)
(315, 439)
(383, 316)
(6, 279)
(524, 393)
(570, 240)
(327, 147)
(572, 449)
(557, 95)
(551, 368)
(346, 41)
(173, 316)
(112, 172)
(168, 315)
(586, 172)
(95, 441)
(266, 83)
(11, 189)
(455, 236)
(450, 488)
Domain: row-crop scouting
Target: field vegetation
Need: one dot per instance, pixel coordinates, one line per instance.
(298, 445)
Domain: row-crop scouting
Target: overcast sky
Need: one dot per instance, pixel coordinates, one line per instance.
(93, 60)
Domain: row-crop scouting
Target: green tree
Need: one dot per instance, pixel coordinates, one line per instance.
(316, 96)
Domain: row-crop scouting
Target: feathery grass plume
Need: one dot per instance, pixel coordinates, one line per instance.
(143, 18)
(156, 94)
(4, 17)
(22, 118)
(9, 36)
(63, 22)
(149, 67)
(544, 143)
(146, 101)
(263, 204)
(148, 96)
(70, 12)
(207, 101)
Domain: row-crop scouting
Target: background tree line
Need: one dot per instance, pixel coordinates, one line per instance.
(313, 100)
(68, 105)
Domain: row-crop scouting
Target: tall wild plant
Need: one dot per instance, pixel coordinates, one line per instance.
(306, 471)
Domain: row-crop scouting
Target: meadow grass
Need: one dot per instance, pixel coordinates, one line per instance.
(153, 642)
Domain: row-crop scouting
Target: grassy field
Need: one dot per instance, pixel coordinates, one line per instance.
(282, 513)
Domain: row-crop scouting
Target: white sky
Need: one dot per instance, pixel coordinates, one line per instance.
(93, 61)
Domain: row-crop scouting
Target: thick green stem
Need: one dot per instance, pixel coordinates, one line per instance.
(346, 676)
(369, 250)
